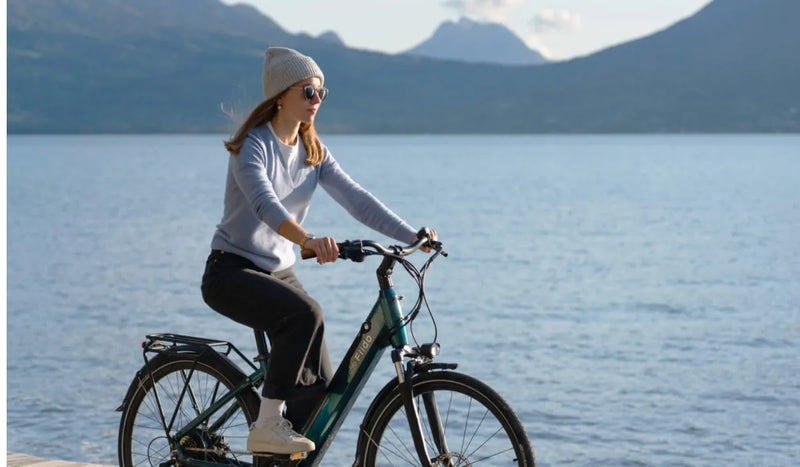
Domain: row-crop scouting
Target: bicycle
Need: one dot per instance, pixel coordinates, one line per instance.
(191, 405)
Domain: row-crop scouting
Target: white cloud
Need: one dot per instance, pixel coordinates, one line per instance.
(496, 11)
(535, 42)
(549, 20)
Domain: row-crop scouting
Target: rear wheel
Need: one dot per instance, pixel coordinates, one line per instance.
(167, 398)
(464, 422)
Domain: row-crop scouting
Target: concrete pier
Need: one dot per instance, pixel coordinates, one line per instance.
(20, 460)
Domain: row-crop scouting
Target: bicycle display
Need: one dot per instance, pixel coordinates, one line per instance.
(190, 405)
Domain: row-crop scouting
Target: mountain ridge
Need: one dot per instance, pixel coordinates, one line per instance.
(105, 19)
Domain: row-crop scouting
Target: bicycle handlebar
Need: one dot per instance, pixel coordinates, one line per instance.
(354, 249)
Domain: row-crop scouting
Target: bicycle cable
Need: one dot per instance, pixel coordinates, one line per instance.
(418, 275)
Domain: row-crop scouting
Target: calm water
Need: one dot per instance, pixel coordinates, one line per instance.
(635, 298)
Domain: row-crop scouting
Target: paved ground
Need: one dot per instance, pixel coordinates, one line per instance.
(20, 460)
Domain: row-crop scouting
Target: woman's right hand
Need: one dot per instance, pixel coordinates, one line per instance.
(324, 248)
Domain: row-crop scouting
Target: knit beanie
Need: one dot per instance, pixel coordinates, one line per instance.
(283, 67)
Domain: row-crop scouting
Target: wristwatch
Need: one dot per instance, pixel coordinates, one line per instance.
(305, 239)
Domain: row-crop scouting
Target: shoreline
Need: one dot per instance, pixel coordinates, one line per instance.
(19, 460)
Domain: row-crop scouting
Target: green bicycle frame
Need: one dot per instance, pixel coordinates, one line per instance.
(384, 327)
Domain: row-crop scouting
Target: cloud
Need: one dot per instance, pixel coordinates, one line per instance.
(534, 42)
(496, 11)
(550, 20)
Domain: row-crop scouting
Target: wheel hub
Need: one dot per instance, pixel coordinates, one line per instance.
(199, 440)
(450, 458)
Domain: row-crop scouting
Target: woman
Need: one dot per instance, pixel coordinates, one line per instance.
(276, 162)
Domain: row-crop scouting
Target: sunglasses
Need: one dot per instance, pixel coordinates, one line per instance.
(309, 91)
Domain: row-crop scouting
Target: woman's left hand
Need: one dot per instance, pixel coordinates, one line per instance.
(433, 237)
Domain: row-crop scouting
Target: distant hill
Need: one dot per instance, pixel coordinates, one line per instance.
(474, 42)
(114, 19)
(731, 67)
(115, 66)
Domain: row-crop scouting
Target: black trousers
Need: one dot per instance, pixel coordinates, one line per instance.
(299, 366)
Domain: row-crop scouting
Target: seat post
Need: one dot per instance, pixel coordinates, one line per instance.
(263, 349)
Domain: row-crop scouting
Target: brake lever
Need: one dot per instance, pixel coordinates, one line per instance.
(352, 250)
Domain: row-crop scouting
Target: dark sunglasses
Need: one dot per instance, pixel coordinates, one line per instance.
(309, 91)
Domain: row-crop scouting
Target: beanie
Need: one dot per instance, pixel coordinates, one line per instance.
(283, 67)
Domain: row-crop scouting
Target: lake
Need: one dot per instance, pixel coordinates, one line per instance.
(636, 299)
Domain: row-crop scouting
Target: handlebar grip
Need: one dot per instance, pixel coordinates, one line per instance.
(308, 253)
(346, 251)
(427, 234)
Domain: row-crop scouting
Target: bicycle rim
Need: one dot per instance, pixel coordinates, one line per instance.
(464, 422)
(143, 439)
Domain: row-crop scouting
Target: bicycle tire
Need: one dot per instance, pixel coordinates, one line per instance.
(478, 425)
(142, 439)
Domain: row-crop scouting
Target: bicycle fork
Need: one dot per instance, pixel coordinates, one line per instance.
(404, 379)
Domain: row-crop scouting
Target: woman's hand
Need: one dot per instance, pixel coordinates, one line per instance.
(433, 237)
(324, 248)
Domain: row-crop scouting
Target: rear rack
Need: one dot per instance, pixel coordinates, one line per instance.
(174, 339)
(165, 342)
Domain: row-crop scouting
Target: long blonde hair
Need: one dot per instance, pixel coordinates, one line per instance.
(265, 112)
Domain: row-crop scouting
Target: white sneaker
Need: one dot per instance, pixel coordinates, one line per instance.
(276, 436)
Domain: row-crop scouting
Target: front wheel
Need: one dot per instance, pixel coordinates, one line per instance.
(464, 422)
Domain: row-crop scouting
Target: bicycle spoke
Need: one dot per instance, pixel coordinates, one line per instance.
(466, 423)
(489, 438)
(190, 391)
(410, 452)
(491, 456)
(148, 454)
(474, 433)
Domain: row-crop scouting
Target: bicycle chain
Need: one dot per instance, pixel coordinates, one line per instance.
(223, 452)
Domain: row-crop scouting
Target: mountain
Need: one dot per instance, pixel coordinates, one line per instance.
(473, 42)
(114, 66)
(114, 19)
(731, 67)
(331, 36)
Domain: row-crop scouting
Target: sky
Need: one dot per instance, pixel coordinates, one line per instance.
(559, 30)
